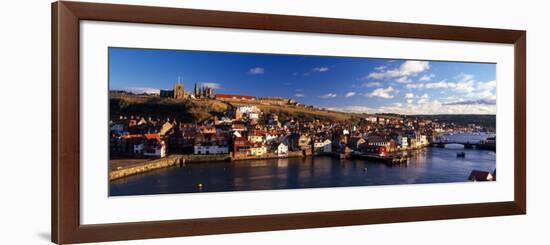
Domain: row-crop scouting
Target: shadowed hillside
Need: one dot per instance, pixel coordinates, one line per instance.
(154, 106)
(196, 110)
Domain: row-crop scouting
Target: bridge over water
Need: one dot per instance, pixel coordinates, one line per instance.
(467, 144)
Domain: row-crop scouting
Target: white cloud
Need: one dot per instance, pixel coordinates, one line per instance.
(379, 68)
(407, 68)
(350, 94)
(385, 93)
(140, 90)
(372, 84)
(299, 95)
(213, 85)
(354, 109)
(415, 86)
(409, 101)
(487, 85)
(436, 107)
(403, 80)
(328, 96)
(320, 69)
(429, 107)
(409, 95)
(256, 71)
(427, 78)
(464, 87)
(423, 99)
(463, 77)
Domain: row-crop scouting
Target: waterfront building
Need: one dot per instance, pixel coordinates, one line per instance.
(154, 146)
(282, 150)
(403, 141)
(355, 142)
(323, 146)
(374, 150)
(241, 146)
(258, 150)
(210, 149)
(304, 142)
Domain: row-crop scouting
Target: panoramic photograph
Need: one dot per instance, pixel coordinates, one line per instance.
(185, 121)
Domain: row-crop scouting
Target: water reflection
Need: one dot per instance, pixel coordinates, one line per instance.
(430, 165)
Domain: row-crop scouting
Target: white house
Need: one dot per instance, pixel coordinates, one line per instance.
(258, 150)
(270, 137)
(155, 151)
(254, 115)
(323, 146)
(210, 149)
(282, 150)
(424, 140)
(256, 138)
(404, 142)
(154, 146)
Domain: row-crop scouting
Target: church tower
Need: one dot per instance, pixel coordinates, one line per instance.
(197, 92)
(179, 91)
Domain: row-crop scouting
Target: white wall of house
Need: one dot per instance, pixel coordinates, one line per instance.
(282, 150)
(159, 152)
(256, 138)
(404, 142)
(324, 146)
(258, 151)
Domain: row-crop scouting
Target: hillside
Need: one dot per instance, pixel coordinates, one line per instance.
(154, 106)
(196, 110)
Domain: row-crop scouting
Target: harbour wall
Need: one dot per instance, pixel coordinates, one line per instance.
(146, 166)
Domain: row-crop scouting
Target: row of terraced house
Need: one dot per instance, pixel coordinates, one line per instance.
(250, 133)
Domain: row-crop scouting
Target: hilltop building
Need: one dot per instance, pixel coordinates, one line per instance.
(179, 92)
(235, 97)
(203, 92)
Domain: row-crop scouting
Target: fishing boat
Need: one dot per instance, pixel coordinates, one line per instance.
(461, 154)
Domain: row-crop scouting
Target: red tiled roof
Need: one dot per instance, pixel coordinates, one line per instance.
(132, 136)
(152, 137)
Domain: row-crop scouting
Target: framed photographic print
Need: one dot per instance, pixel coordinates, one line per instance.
(176, 122)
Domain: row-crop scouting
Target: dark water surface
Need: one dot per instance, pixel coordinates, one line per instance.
(430, 165)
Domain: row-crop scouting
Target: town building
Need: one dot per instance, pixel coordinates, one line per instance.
(324, 146)
(154, 146)
(178, 92)
(282, 150)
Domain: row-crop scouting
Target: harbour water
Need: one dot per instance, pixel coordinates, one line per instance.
(429, 165)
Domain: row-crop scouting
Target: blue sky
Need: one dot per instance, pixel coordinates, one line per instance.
(338, 83)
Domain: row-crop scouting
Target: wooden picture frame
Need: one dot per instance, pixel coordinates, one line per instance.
(65, 174)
